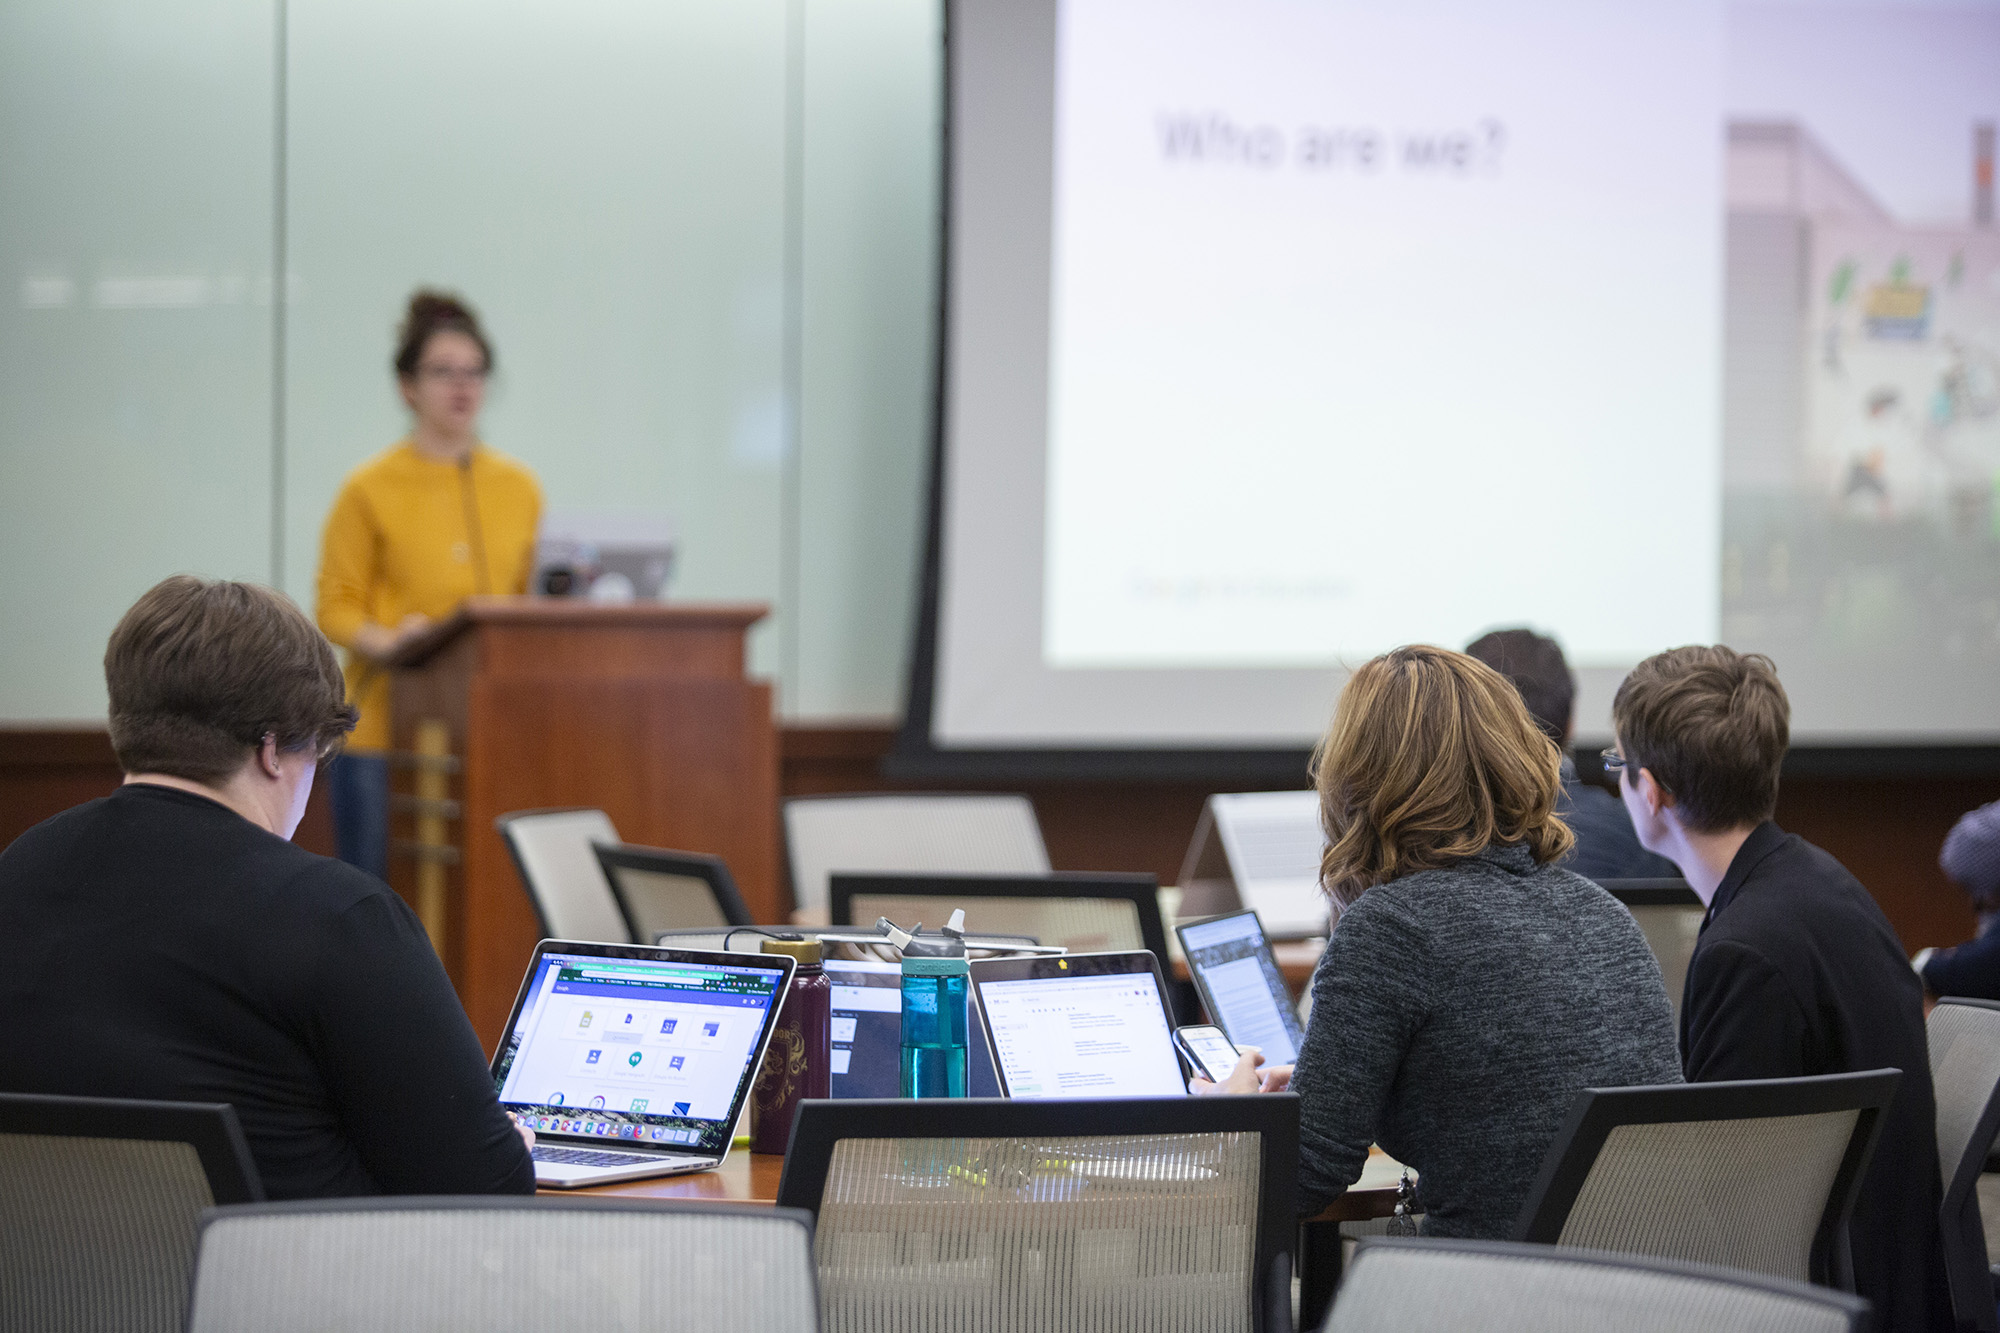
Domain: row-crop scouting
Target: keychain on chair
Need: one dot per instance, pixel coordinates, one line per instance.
(1402, 1223)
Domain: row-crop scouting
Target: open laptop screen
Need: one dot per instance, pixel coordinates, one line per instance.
(1084, 1025)
(642, 1048)
(1241, 987)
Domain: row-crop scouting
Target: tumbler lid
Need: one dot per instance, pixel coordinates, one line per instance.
(806, 951)
(934, 946)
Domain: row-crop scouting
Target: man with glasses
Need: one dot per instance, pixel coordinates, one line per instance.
(1796, 972)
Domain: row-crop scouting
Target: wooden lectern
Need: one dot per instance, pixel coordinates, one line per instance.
(641, 710)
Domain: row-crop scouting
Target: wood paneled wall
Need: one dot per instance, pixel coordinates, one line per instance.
(46, 770)
(1886, 830)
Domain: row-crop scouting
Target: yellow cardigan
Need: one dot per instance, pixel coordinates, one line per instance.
(402, 539)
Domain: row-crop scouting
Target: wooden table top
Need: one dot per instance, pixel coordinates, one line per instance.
(752, 1177)
(743, 1177)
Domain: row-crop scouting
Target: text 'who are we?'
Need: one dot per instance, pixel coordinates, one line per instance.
(1196, 138)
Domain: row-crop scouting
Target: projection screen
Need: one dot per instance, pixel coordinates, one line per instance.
(1277, 333)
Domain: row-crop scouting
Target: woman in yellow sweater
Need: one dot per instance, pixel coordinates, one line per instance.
(432, 520)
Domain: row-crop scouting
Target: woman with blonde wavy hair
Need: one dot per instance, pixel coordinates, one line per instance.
(1471, 987)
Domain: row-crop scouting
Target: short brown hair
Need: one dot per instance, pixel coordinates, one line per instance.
(200, 672)
(1534, 665)
(1431, 757)
(1713, 725)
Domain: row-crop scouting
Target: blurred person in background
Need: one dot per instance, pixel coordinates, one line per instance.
(1606, 847)
(1971, 861)
(436, 518)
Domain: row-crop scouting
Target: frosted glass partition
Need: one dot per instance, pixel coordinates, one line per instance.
(608, 183)
(605, 183)
(873, 97)
(135, 352)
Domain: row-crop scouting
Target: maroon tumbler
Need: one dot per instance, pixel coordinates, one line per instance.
(799, 1061)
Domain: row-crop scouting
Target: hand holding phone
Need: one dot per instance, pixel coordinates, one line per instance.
(1210, 1054)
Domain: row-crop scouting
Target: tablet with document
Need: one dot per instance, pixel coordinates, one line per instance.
(1241, 987)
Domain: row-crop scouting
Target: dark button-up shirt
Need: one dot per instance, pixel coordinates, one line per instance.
(1797, 972)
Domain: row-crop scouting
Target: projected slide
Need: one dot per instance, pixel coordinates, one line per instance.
(1281, 332)
(1358, 311)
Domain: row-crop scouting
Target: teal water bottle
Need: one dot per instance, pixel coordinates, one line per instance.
(935, 981)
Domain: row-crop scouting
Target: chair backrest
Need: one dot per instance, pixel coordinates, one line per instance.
(1669, 914)
(1500, 1287)
(657, 889)
(99, 1203)
(1084, 912)
(1964, 1040)
(970, 834)
(989, 1216)
(1758, 1175)
(541, 1264)
(554, 851)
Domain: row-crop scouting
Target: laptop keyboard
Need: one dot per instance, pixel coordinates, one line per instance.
(594, 1157)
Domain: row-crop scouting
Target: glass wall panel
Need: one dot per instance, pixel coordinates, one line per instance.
(607, 183)
(873, 98)
(135, 352)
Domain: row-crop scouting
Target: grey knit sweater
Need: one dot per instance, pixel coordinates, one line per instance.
(1455, 1015)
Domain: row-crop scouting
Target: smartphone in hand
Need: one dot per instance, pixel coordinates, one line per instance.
(1210, 1054)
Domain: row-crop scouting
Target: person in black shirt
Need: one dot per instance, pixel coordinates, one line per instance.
(1796, 971)
(168, 941)
(1606, 847)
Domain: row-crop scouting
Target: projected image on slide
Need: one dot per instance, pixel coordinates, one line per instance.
(1356, 309)
(1862, 458)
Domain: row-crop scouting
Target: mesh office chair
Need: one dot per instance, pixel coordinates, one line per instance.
(1085, 913)
(1759, 1175)
(99, 1202)
(1964, 1039)
(968, 834)
(554, 852)
(545, 1265)
(658, 890)
(991, 1216)
(1394, 1285)
(1669, 915)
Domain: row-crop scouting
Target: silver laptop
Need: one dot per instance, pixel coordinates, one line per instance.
(630, 1062)
(1082, 1025)
(1259, 850)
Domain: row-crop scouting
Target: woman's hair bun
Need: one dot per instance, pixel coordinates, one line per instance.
(432, 312)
